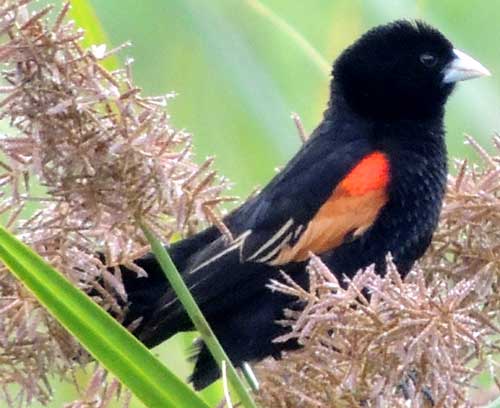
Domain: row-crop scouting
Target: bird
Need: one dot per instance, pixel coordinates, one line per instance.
(368, 182)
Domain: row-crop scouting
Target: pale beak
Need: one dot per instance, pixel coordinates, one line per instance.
(463, 67)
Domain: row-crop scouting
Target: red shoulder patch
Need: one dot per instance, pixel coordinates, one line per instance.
(371, 173)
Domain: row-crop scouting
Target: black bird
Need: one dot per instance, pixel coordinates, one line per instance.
(370, 180)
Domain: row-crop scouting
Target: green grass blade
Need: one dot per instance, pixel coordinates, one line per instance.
(196, 316)
(312, 53)
(246, 77)
(111, 344)
(85, 17)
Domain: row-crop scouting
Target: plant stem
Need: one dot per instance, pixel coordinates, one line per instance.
(196, 316)
(314, 56)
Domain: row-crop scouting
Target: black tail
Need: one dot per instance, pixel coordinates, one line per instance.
(145, 293)
(233, 296)
(247, 327)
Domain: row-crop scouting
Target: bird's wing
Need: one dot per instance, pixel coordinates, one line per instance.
(318, 201)
(349, 208)
(330, 191)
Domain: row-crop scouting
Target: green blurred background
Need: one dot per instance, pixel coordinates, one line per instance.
(239, 76)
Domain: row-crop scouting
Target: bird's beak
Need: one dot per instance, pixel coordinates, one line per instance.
(463, 67)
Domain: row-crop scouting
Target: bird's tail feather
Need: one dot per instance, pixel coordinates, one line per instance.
(143, 293)
(205, 370)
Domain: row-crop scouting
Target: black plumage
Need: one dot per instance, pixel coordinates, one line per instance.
(387, 97)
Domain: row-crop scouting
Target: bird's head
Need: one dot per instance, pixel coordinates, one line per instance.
(401, 70)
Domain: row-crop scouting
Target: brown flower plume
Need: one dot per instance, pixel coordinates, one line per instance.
(93, 156)
(415, 342)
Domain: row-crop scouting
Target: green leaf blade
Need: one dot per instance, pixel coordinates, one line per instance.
(118, 351)
(85, 17)
(199, 321)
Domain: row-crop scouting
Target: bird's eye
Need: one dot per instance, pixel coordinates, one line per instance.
(429, 60)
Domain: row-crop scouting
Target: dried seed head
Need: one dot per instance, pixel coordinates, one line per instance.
(93, 156)
(421, 339)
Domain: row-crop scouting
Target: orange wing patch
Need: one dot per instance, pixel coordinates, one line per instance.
(371, 173)
(352, 207)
